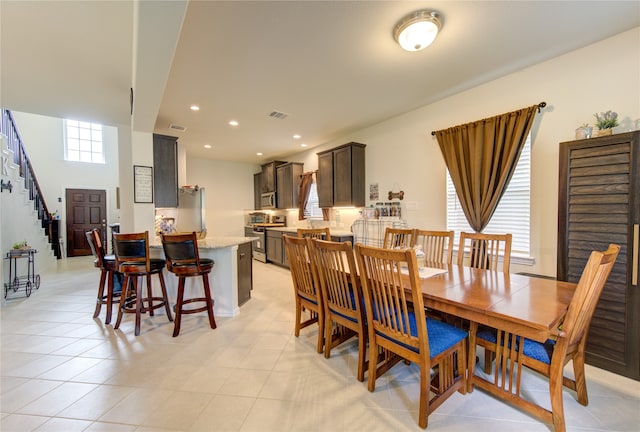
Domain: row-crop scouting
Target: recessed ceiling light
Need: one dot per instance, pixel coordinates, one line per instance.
(233, 123)
(207, 146)
(195, 108)
(296, 136)
(258, 154)
(303, 145)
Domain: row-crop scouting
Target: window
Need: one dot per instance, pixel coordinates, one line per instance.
(83, 142)
(312, 211)
(513, 212)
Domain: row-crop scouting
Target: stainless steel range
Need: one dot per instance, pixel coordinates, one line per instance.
(259, 230)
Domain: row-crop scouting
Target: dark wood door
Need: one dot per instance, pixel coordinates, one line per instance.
(86, 210)
(165, 170)
(599, 203)
(325, 179)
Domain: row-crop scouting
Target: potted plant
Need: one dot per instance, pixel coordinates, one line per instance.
(606, 121)
(584, 131)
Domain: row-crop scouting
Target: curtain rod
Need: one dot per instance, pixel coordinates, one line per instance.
(540, 106)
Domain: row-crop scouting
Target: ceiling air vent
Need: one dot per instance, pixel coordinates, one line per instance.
(177, 127)
(278, 115)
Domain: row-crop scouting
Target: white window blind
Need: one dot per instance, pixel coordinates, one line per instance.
(83, 142)
(513, 212)
(312, 210)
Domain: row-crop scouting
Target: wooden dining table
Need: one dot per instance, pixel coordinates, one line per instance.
(518, 305)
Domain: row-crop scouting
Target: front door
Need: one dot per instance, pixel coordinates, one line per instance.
(86, 210)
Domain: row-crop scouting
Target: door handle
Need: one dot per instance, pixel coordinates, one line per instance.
(634, 259)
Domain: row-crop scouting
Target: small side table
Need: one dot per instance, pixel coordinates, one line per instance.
(28, 281)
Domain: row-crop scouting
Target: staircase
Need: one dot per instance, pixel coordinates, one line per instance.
(23, 211)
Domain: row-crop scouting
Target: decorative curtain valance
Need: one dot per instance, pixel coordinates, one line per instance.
(481, 157)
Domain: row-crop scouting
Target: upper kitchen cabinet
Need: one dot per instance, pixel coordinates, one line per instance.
(269, 176)
(341, 176)
(165, 168)
(288, 182)
(257, 190)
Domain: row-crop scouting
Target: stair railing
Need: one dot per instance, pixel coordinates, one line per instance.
(21, 159)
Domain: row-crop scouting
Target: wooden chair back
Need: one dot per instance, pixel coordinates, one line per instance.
(398, 238)
(483, 251)
(318, 233)
(590, 286)
(132, 248)
(297, 250)
(95, 243)
(385, 292)
(181, 252)
(436, 245)
(335, 266)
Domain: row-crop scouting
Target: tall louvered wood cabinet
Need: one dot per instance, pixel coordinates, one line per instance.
(598, 204)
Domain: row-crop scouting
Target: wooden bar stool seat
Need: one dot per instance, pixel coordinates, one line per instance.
(183, 260)
(132, 257)
(108, 270)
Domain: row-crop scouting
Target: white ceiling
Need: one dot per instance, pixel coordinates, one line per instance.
(332, 66)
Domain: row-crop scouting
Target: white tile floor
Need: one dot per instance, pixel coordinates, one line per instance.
(64, 371)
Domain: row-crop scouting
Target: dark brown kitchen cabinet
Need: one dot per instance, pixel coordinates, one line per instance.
(598, 204)
(269, 176)
(288, 184)
(341, 176)
(257, 190)
(245, 273)
(275, 251)
(165, 170)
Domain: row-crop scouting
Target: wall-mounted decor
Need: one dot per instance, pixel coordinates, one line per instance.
(142, 184)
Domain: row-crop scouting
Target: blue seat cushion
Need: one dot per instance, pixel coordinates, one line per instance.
(442, 336)
(536, 350)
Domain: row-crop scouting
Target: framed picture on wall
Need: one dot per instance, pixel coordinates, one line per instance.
(142, 184)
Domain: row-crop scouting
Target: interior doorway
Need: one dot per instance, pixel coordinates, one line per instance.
(86, 210)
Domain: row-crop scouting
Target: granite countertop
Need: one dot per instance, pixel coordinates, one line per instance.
(333, 232)
(215, 242)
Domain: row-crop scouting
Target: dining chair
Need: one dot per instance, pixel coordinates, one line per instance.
(307, 294)
(398, 238)
(319, 233)
(399, 326)
(436, 245)
(550, 357)
(335, 268)
(183, 260)
(133, 260)
(108, 271)
(483, 251)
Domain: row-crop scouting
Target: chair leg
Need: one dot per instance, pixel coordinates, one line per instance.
(579, 377)
(109, 297)
(488, 359)
(373, 364)
(165, 296)
(180, 296)
(423, 411)
(471, 359)
(123, 297)
(321, 319)
(208, 300)
(139, 306)
(557, 408)
(362, 352)
(99, 301)
(149, 294)
(298, 318)
(328, 335)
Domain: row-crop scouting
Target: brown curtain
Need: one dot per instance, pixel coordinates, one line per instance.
(306, 180)
(481, 158)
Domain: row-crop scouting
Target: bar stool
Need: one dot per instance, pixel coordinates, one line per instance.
(132, 257)
(183, 260)
(108, 269)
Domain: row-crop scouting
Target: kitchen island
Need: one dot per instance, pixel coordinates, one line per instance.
(228, 278)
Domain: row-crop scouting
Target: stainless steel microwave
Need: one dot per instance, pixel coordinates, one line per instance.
(268, 200)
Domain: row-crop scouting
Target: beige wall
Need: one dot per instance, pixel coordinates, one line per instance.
(401, 154)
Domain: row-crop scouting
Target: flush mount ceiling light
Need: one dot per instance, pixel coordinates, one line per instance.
(417, 30)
